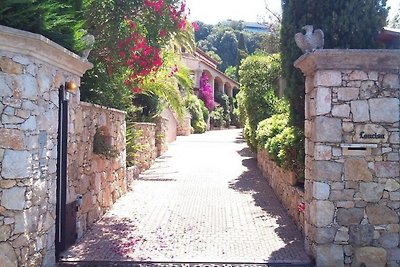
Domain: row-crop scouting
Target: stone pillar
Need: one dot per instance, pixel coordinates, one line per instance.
(221, 86)
(229, 90)
(32, 69)
(212, 84)
(352, 187)
(197, 75)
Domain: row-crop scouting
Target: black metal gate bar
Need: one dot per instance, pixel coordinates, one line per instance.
(61, 172)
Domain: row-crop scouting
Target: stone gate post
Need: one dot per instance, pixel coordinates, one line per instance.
(352, 187)
(32, 69)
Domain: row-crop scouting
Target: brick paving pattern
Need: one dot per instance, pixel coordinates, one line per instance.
(203, 201)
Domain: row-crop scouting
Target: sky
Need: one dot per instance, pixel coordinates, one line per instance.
(214, 11)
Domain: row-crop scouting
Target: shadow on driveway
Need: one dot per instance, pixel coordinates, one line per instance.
(252, 181)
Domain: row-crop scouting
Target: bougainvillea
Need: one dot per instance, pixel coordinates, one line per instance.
(142, 36)
(139, 56)
(206, 93)
(131, 39)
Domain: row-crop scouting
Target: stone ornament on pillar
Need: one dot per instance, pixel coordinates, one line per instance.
(311, 40)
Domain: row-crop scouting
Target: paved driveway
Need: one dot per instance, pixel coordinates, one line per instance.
(203, 201)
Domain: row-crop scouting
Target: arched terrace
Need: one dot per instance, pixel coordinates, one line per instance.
(228, 89)
(218, 85)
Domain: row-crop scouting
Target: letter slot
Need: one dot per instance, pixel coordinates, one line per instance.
(357, 149)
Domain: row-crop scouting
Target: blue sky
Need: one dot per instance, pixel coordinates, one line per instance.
(213, 11)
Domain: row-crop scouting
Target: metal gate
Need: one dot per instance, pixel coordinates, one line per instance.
(65, 213)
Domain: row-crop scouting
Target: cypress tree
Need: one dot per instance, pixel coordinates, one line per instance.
(346, 24)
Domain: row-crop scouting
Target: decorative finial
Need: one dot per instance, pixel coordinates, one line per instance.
(311, 40)
(89, 41)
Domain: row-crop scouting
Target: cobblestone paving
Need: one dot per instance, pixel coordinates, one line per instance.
(203, 201)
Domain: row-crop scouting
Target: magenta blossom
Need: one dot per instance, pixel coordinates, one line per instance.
(206, 93)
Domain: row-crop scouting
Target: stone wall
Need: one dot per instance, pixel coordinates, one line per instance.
(170, 125)
(184, 128)
(352, 188)
(132, 173)
(148, 152)
(99, 179)
(32, 69)
(161, 135)
(283, 182)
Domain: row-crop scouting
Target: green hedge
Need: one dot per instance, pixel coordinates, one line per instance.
(283, 143)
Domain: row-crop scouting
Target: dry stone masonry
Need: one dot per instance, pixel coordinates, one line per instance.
(32, 68)
(148, 152)
(283, 182)
(352, 188)
(99, 179)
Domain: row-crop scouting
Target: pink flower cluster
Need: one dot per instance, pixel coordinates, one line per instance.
(156, 5)
(177, 18)
(139, 56)
(206, 93)
(140, 51)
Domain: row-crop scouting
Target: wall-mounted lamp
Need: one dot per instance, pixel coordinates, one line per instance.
(71, 87)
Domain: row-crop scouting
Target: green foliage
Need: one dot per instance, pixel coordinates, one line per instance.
(217, 118)
(223, 100)
(240, 111)
(60, 21)
(206, 112)
(106, 83)
(214, 56)
(231, 72)
(257, 100)
(133, 147)
(229, 41)
(282, 143)
(148, 107)
(345, 25)
(270, 42)
(98, 87)
(196, 109)
(270, 127)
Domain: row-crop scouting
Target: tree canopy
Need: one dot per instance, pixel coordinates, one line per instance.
(229, 41)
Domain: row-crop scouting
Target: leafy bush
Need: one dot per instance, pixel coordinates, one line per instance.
(270, 127)
(223, 100)
(217, 117)
(196, 109)
(259, 76)
(148, 107)
(282, 142)
(206, 112)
